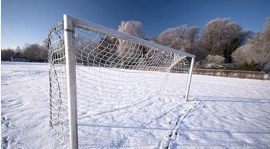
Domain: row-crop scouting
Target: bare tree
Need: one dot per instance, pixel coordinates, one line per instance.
(45, 44)
(35, 52)
(6, 54)
(18, 49)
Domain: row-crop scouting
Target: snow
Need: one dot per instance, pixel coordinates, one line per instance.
(222, 113)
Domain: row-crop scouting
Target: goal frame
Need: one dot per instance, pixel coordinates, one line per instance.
(69, 37)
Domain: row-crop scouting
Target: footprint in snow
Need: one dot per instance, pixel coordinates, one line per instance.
(5, 121)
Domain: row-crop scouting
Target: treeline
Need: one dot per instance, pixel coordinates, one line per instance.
(222, 43)
(32, 52)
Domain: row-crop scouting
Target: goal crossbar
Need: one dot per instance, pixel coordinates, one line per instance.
(113, 33)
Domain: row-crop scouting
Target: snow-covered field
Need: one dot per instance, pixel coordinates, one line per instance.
(222, 113)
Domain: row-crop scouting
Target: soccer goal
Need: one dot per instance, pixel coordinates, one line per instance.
(103, 81)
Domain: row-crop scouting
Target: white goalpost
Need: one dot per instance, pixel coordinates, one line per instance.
(101, 79)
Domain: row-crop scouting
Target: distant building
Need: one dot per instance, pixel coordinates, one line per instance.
(18, 57)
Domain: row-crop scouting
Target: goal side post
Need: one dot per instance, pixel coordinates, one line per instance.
(69, 40)
(189, 79)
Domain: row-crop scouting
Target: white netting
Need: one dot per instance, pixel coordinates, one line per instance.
(58, 93)
(118, 83)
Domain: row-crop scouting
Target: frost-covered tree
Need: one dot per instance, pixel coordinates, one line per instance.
(246, 34)
(183, 38)
(257, 49)
(217, 59)
(242, 54)
(180, 37)
(192, 35)
(130, 52)
(131, 27)
(221, 37)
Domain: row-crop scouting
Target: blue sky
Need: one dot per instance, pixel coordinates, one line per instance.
(28, 21)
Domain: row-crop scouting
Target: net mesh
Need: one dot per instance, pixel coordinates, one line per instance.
(120, 86)
(58, 87)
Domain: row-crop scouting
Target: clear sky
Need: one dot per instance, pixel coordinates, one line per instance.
(28, 21)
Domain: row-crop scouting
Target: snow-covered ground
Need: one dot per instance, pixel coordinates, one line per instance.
(222, 113)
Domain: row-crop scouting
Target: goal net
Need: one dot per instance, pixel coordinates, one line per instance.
(119, 82)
